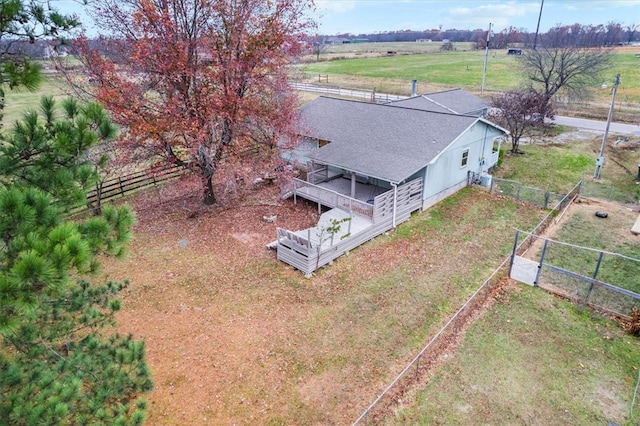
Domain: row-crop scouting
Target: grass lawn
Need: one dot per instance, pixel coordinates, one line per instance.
(533, 359)
(558, 166)
(246, 339)
(20, 100)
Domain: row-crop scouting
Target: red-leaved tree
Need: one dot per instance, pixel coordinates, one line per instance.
(199, 83)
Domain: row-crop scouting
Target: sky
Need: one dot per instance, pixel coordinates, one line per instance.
(371, 16)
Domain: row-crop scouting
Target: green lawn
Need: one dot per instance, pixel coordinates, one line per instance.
(557, 167)
(454, 69)
(533, 359)
(20, 100)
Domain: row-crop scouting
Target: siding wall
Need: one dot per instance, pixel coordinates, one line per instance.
(446, 172)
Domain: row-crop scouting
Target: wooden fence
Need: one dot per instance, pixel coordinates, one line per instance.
(120, 186)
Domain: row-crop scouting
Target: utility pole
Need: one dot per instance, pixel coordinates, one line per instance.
(600, 159)
(486, 55)
(535, 40)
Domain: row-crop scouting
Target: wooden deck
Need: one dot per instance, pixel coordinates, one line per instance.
(309, 249)
(336, 193)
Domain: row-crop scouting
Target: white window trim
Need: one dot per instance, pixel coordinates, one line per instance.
(464, 159)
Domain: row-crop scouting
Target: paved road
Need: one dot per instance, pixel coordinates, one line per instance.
(599, 126)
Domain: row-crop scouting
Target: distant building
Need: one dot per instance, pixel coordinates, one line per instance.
(335, 40)
(514, 52)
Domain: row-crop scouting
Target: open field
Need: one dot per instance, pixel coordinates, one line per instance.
(21, 100)
(445, 70)
(332, 52)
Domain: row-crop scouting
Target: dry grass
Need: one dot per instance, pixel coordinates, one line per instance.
(233, 336)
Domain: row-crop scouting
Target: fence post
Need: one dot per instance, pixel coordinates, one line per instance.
(544, 251)
(595, 274)
(491, 186)
(546, 199)
(518, 192)
(513, 252)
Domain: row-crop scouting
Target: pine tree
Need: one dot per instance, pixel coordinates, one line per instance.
(58, 363)
(48, 152)
(26, 21)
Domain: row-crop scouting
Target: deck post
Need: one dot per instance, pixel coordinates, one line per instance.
(395, 203)
(353, 185)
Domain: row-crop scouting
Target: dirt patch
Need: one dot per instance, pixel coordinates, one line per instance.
(185, 305)
(610, 398)
(624, 217)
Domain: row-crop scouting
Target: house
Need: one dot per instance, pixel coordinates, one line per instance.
(375, 164)
(389, 144)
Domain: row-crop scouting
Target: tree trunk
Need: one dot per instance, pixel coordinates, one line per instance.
(209, 197)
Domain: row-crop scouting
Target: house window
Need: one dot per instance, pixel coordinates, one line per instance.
(465, 158)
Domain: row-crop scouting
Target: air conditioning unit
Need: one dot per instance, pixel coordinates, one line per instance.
(485, 179)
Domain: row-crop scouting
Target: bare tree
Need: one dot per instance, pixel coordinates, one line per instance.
(631, 31)
(558, 66)
(518, 111)
(447, 47)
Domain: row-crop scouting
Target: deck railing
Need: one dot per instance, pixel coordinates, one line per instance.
(330, 198)
(307, 255)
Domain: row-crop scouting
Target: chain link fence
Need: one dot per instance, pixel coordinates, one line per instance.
(526, 194)
(602, 280)
(598, 190)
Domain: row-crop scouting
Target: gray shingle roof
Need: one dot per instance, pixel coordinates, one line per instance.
(455, 100)
(383, 141)
(421, 102)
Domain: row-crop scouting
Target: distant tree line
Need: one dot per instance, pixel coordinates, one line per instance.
(611, 34)
(578, 35)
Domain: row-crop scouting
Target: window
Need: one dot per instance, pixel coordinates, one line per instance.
(465, 158)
